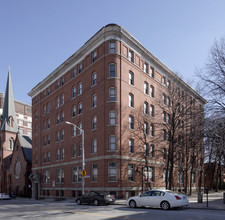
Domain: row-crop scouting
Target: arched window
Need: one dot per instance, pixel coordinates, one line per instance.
(11, 143)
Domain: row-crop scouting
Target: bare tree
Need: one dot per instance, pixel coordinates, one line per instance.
(213, 76)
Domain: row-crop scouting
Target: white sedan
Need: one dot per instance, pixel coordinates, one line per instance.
(164, 199)
(4, 196)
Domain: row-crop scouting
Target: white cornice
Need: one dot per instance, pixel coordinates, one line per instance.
(111, 31)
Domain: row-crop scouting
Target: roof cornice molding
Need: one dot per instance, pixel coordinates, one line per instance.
(112, 31)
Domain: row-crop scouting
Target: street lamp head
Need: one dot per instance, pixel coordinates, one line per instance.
(69, 123)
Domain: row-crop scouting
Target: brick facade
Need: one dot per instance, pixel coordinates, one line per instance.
(109, 101)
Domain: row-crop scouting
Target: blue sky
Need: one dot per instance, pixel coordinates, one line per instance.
(36, 36)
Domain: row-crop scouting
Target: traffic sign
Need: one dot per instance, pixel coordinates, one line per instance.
(83, 173)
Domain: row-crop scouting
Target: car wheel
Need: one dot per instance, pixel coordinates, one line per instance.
(132, 204)
(78, 202)
(165, 205)
(96, 203)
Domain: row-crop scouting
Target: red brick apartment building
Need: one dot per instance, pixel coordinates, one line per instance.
(102, 88)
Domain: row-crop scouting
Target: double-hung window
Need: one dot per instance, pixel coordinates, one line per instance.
(112, 172)
(112, 70)
(112, 94)
(112, 47)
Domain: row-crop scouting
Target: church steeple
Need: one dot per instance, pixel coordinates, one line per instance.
(9, 122)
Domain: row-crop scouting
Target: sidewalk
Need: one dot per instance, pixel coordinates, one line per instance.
(215, 201)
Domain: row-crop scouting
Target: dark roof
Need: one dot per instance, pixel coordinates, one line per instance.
(26, 145)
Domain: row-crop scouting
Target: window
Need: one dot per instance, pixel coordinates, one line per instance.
(48, 91)
(57, 84)
(44, 141)
(192, 177)
(79, 108)
(48, 123)
(149, 174)
(180, 177)
(74, 92)
(94, 101)
(168, 84)
(44, 125)
(80, 126)
(79, 149)
(73, 131)
(94, 146)
(131, 145)
(152, 150)
(62, 153)
(57, 119)
(36, 159)
(164, 135)
(168, 102)
(164, 99)
(62, 99)
(112, 94)
(146, 149)
(146, 68)
(146, 88)
(48, 156)
(62, 81)
(79, 88)
(112, 118)
(146, 128)
(131, 56)
(59, 176)
(62, 135)
(74, 72)
(152, 130)
(11, 144)
(131, 100)
(74, 151)
(48, 107)
(62, 117)
(48, 139)
(164, 117)
(57, 102)
(112, 70)
(112, 47)
(164, 153)
(94, 56)
(131, 78)
(80, 68)
(164, 81)
(94, 173)
(57, 136)
(130, 172)
(112, 172)
(46, 177)
(74, 111)
(76, 174)
(146, 108)
(112, 142)
(35, 115)
(152, 91)
(131, 122)
(57, 154)
(44, 109)
(164, 175)
(152, 72)
(94, 123)
(94, 79)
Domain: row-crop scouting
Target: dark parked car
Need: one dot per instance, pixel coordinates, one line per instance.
(95, 198)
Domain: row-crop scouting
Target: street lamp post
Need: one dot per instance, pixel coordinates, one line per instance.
(83, 164)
